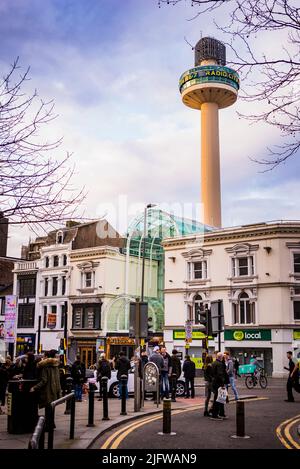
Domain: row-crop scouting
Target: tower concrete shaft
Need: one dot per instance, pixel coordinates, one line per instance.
(208, 87)
(210, 165)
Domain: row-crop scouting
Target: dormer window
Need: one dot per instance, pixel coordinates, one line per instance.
(59, 237)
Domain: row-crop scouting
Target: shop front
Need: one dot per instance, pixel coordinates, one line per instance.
(245, 343)
(116, 344)
(195, 348)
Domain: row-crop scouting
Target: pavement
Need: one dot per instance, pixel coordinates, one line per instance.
(87, 436)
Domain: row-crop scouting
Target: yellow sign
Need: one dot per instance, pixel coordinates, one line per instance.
(198, 362)
(238, 335)
(196, 335)
(296, 335)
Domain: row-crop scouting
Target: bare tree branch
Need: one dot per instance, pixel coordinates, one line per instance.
(35, 187)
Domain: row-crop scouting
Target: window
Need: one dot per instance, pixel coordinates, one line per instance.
(88, 280)
(244, 311)
(197, 270)
(54, 286)
(63, 315)
(86, 317)
(297, 263)
(26, 315)
(46, 286)
(65, 259)
(55, 261)
(45, 317)
(63, 285)
(47, 261)
(296, 310)
(199, 306)
(53, 309)
(27, 287)
(242, 266)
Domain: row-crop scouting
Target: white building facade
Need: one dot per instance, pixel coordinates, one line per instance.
(255, 270)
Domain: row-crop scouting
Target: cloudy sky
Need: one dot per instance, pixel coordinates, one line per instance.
(112, 67)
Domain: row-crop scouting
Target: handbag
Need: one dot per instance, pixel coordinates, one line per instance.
(222, 395)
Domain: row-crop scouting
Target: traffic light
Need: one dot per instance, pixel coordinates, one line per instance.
(138, 320)
(204, 318)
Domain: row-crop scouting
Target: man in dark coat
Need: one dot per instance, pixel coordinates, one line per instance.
(122, 366)
(78, 375)
(189, 370)
(218, 380)
(175, 372)
(293, 379)
(103, 370)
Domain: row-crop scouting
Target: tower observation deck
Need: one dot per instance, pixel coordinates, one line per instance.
(208, 87)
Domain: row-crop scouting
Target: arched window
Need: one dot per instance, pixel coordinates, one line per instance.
(244, 311)
(199, 306)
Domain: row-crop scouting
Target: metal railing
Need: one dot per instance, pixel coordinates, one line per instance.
(37, 440)
(51, 413)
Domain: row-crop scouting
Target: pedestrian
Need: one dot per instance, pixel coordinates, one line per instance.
(175, 371)
(165, 371)
(236, 365)
(4, 377)
(208, 377)
(293, 378)
(103, 370)
(78, 375)
(157, 358)
(230, 374)
(48, 387)
(218, 381)
(144, 358)
(29, 371)
(122, 366)
(189, 370)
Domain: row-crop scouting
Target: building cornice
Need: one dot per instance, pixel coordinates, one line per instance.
(230, 234)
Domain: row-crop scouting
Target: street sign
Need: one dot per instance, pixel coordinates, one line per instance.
(188, 330)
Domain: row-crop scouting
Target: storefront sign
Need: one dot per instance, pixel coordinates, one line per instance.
(196, 335)
(296, 334)
(247, 334)
(120, 341)
(51, 321)
(10, 318)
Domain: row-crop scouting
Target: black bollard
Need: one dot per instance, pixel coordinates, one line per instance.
(123, 394)
(69, 385)
(166, 418)
(240, 420)
(173, 387)
(104, 381)
(91, 405)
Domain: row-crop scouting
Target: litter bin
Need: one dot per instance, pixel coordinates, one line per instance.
(22, 406)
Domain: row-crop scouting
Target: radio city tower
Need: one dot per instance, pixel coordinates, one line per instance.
(210, 86)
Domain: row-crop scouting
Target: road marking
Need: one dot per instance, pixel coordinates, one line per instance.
(251, 400)
(283, 433)
(117, 437)
(135, 426)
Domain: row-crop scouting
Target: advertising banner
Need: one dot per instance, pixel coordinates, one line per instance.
(51, 321)
(10, 318)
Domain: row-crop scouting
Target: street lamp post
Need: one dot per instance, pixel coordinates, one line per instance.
(137, 389)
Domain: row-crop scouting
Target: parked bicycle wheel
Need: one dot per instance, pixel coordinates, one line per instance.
(249, 381)
(263, 382)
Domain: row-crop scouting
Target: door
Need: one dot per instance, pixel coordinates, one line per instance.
(88, 356)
